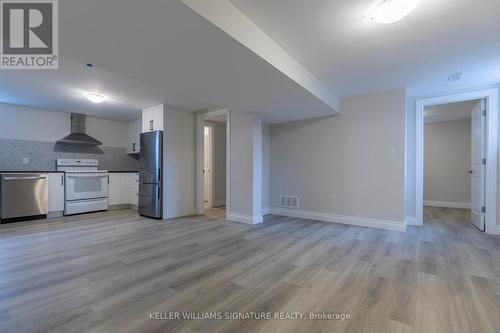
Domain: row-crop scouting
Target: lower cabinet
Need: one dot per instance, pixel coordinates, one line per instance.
(123, 188)
(56, 192)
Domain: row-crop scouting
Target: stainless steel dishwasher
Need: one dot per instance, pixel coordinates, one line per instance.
(23, 195)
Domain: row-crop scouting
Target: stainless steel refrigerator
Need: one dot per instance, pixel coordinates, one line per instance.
(151, 175)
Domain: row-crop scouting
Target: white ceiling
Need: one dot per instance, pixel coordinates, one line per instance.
(169, 46)
(449, 112)
(62, 90)
(352, 55)
(155, 51)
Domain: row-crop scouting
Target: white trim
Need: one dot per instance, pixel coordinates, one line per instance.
(343, 219)
(491, 96)
(211, 167)
(266, 211)
(200, 124)
(410, 220)
(56, 214)
(447, 204)
(247, 219)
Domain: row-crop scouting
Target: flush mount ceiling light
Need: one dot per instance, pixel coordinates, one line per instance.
(95, 97)
(390, 11)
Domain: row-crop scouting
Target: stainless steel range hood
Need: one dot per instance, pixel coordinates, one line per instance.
(78, 135)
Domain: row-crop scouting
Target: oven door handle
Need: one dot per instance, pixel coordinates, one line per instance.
(87, 176)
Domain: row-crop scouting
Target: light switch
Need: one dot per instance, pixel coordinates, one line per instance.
(26, 160)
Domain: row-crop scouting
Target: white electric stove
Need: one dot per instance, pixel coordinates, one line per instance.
(86, 187)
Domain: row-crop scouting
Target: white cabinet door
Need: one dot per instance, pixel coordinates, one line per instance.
(56, 192)
(147, 116)
(158, 118)
(117, 188)
(133, 137)
(124, 188)
(133, 189)
(152, 118)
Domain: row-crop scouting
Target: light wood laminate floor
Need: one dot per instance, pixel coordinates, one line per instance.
(106, 272)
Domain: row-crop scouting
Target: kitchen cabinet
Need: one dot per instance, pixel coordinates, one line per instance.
(56, 192)
(124, 188)
(152, 119)
(134, 130)
(133, 189)
(117, 188)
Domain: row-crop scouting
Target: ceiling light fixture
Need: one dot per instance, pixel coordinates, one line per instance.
(95, 97)
(390, 11)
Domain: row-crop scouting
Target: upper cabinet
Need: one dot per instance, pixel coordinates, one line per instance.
(134, 137)
(152, 119)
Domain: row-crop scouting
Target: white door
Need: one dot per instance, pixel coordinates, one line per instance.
(207, 168)
(478, 155)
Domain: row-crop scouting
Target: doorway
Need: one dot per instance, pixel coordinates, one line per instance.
(454, 135)
(488, 108)
(208, 172)
(213, 156)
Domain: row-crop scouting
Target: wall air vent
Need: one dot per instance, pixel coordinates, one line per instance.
(289, 201)
(454, 77)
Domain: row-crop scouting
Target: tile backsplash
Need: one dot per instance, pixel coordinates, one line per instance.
(42, 156)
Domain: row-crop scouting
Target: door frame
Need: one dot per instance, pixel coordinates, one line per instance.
(491, 96)
(211, 167)
(200, 154)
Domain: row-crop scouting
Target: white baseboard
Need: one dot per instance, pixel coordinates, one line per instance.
(219, 203)
(447, 204)
(53, 215)
(242, 218)
(122, 206)
(497, 231)
(266, 211)
(411, 220)
(343, 219)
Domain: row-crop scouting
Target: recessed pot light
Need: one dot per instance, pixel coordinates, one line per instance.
(390, 11)
(95, 97)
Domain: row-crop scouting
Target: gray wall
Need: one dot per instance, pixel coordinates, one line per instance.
(30, 132)
(246, 164)
(347, 156)
(179, 162)
(447, 160)
(43, 156)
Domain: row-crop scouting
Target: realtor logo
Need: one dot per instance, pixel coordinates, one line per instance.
(29, 32)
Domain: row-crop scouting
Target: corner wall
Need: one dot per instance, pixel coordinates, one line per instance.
(179, 161)
(348, 168)
(246, 168)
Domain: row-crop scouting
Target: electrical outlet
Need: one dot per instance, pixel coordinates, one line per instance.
(26, 160)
